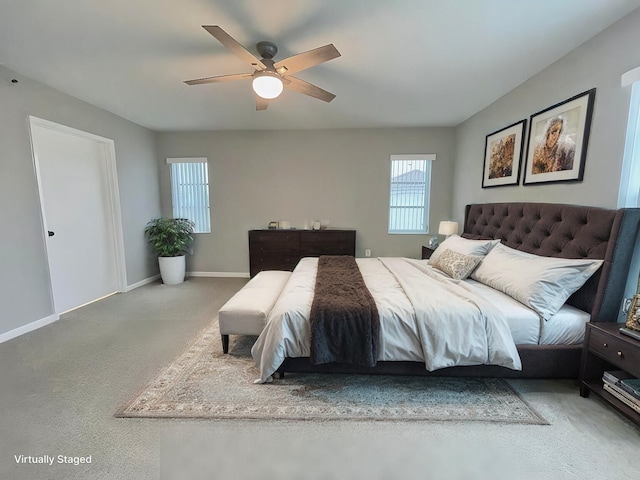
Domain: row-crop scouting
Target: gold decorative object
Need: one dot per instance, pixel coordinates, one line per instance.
(633, 317)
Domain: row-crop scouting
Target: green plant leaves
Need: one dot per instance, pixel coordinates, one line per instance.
(170, 237)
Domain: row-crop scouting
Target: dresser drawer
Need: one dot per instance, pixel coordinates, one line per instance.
(275, 249)
(328, 242)
(280, 262)
(614, 350)
(276, 238)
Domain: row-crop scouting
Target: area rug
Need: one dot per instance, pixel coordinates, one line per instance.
(204, 383)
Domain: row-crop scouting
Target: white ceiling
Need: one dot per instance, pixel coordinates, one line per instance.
(404, 62)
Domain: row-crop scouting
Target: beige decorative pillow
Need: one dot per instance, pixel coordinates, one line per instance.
(475, 248)
(457, 265)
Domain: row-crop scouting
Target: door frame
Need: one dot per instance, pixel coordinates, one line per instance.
(108, 152)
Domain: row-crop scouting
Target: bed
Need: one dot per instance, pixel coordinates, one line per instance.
(545, 341)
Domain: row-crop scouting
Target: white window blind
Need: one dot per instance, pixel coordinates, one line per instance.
(409, 193)
(190, 191)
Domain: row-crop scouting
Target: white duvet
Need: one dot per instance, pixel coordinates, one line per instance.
(424, 316)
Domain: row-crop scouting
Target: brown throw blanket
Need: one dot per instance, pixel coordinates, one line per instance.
(344, 318)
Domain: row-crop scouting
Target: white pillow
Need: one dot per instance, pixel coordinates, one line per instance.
(541, 283)
(457, 265)
(475, 248)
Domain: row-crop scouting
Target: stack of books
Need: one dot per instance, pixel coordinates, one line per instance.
(624, 387)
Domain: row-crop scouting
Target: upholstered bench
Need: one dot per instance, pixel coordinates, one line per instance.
(246, 312)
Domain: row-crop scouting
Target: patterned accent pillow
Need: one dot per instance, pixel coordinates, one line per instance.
(457, 265)
(476, 248)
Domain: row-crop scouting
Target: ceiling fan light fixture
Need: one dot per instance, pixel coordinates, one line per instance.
(270, 77)
(267, 85)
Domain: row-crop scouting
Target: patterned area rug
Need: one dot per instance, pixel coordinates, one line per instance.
(205, 383)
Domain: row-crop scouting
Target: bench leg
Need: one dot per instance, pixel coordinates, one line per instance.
(225, 343)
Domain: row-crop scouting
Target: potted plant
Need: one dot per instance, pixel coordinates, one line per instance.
(170, 239)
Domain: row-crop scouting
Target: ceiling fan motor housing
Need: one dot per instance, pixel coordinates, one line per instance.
(267, 49)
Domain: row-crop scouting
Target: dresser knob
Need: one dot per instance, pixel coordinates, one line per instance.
(605, 345)
(620, 354)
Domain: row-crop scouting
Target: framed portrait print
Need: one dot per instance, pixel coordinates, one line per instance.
(558, 138)
(503, 155)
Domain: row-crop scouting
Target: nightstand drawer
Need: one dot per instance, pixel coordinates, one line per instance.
(614, 350)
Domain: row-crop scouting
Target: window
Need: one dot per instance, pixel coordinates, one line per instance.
(629, 193)
(409, 193)
(190, 191)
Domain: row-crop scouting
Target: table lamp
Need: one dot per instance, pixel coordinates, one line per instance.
(448, 228)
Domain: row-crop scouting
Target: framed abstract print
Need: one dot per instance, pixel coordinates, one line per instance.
(503, 155)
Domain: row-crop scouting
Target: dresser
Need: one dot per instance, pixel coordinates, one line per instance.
(282, 249)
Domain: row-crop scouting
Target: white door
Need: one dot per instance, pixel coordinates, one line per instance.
(75, 181)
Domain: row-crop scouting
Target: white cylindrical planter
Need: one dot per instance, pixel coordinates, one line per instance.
(172, 269)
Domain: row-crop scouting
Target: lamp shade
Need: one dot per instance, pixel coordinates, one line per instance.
(448, 228)
(267, 85)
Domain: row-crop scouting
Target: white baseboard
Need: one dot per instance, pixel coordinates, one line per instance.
(219, 274)
(142, 282)
(16, 332)
(146, 281)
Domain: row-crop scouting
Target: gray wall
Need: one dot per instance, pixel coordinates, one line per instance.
(338, 175)
(24, 277)
(598, 63)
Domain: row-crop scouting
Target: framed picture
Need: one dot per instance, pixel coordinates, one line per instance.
(558, 138)
(503, 155)
(633, 317)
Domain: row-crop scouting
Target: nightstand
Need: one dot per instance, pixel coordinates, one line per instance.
(605, 348)
(426, 252)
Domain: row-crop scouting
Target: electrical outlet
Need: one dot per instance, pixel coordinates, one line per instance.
(367, 253)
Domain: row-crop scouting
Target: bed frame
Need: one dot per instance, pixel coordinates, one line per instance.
(546, 229)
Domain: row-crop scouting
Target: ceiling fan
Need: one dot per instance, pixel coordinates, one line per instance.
(270, 77)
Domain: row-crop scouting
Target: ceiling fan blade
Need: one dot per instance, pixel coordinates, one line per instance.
(301, 86)
(228, 41)
(261, 103)
(306, 60)
(221, 78)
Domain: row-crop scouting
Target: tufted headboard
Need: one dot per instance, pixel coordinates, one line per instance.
(567, 231)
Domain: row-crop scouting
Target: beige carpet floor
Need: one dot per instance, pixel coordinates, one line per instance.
(62, 383)
(202, 382)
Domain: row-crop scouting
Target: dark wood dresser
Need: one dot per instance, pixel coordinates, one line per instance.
(282, 249)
